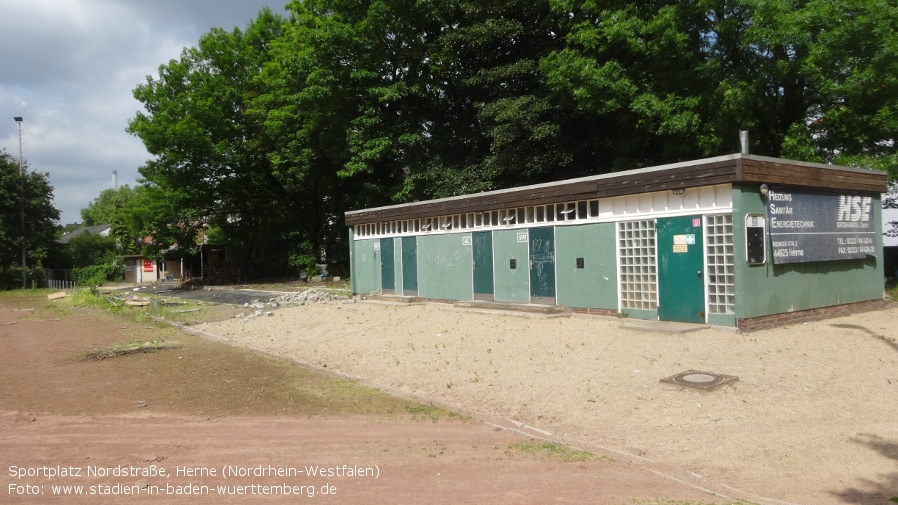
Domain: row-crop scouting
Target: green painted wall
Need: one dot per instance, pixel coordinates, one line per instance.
(445, 267)
(772, 289)
(352, 267)
(365, 269)
(511, 285)
(410, 264)
(595, 285)
(397, 264)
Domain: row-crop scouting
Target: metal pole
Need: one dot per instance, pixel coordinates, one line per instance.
(22, 198)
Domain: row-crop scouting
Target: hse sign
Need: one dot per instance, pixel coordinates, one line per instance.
(813, 226)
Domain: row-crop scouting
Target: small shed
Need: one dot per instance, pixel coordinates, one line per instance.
(140, 270)
(740, 240)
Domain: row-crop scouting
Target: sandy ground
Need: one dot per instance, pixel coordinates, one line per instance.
(813, 418)
(201, 407)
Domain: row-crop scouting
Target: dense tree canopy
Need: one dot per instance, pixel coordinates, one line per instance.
(271, 133)
(103, 209)
(33, 195)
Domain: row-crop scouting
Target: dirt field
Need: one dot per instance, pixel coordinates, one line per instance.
(813, 418)
(174, 425)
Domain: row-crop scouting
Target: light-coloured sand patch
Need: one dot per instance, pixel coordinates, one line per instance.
(812, 419)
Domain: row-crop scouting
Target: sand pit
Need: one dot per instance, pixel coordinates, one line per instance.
(812, 418)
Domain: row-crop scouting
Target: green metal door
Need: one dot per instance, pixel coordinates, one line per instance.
(410, 266)
(681, 285)
(542, 265)
(483, 265)
(387, 270)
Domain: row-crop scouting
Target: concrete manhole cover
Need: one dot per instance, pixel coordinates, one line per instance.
(707, 381)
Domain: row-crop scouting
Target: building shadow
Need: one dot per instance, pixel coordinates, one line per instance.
(868, 492)
(886, 340)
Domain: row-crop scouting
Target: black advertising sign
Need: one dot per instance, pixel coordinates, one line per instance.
(807, 226)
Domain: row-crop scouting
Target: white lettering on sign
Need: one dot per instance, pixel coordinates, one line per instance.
(522, 237)
(774, 210)
(779, 197)
(854, 208)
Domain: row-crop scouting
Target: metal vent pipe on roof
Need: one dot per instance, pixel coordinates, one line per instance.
(743, 141)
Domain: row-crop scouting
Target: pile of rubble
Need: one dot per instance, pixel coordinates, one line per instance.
(311, 296)
(298, 298)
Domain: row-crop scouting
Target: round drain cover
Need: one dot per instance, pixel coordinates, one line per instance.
(699, 378)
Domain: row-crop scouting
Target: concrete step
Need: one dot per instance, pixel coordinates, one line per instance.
(531, 308)
(394, 299)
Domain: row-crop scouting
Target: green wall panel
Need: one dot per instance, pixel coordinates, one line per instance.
(772, 289)
(352, 268)
(387, 265)
(365, 266)
(397, 265)
(445, 267)
(512, 285)
(542, 265)
(595, 285)
(409, 264)
(483, 262)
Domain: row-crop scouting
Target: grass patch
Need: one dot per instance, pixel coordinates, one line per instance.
(892, 290)
(127, 348)
(687, 502)
(159, 311)
(433, 414)
(56, 310)
(27, 292)
(551, 450)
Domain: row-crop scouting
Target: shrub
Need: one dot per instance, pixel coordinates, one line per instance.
(96, 275)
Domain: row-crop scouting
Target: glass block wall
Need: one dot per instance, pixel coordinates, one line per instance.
(721, 276)
(638, 272)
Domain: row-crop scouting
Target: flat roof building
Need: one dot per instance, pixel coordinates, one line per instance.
(739, 240)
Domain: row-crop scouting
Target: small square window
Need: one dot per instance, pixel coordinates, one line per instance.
(512, 263)
(593, 208)
(580, 263)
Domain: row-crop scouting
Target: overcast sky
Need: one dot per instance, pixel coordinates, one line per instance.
(69, 68)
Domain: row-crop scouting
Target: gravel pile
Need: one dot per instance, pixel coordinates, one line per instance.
(311, 296)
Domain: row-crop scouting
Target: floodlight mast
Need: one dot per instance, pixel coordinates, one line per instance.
(18, 120)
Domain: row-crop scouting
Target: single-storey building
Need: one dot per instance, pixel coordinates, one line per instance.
(740, 240)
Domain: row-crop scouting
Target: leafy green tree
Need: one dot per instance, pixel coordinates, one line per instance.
(668, 80)
(345, 102)
(103, 208)
(93, 258)
(151, 222)
(33, 194)
(270, 134)
(211, 163)
(89, 249)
